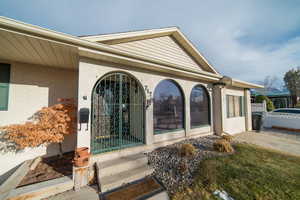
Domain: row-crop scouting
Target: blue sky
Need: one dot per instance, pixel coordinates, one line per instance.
(248, 40)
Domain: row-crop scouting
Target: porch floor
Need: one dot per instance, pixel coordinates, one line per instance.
(108, 144)
(49, 168)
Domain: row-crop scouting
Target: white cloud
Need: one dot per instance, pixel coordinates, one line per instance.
(253, 41)
(247, 40)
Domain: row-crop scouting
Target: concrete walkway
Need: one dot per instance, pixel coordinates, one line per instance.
(91, 193)
(85, 193)
(288, 142)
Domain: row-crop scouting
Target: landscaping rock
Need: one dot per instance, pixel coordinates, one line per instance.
(175, 171)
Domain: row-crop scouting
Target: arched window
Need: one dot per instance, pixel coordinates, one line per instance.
(168, 105)
(199, 107)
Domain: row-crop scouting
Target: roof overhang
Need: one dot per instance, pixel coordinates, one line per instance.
(76, 46)
(116, 38)
(244, 84)
(25, 48)
(226, 81)
(28, 30)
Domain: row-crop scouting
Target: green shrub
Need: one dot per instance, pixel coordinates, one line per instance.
(261, 98)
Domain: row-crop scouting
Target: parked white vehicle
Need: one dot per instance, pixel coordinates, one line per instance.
(287, 111)
(283, 117)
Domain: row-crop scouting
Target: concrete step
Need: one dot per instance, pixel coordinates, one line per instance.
(121, 178)
(121, 164)
(42, 190)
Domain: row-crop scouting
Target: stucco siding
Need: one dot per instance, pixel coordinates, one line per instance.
(91, 71)
(164, 48)
(217, 109)
(31, 88)
(235, 124)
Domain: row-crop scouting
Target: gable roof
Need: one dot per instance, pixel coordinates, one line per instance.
(82, 46)
(174, 32)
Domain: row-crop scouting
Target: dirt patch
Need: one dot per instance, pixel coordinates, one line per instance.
(49, 168)
(134, 191)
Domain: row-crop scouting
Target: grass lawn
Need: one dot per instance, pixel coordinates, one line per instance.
(251, 173)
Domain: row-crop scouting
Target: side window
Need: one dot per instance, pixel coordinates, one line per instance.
(199, 107)
(168, 107)
(4, 85)
(230, 106)
(242, 106)
(235, 106)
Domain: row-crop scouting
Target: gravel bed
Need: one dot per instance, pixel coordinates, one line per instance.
(175, 171)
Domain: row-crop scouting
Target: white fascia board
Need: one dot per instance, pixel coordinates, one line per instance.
(131, 34)
(244, 84)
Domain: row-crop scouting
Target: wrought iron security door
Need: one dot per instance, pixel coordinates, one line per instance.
(117, 113)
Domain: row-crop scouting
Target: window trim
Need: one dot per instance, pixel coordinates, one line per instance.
(168, 131)
(241, 102)
(157, 132)
(8, 65)
(209, 108)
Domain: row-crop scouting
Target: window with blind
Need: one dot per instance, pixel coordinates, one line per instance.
(235, 106)
(4, 85)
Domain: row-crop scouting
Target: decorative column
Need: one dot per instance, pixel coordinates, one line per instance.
(149, 112)
(85, 85)
(219, 107)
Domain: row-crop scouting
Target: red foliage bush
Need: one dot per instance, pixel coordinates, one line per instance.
(48, 125)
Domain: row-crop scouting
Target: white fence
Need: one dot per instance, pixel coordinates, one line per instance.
(285, 120)
(259, 107)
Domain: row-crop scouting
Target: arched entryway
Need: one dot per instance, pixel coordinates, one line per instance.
(117, 113)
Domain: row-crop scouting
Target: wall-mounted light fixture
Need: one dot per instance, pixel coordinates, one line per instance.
(149, 99)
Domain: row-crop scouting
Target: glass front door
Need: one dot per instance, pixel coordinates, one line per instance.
(117, 113)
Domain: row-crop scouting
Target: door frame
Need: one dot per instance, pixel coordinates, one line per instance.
(143, 112)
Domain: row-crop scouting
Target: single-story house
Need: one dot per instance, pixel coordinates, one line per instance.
(132, 89)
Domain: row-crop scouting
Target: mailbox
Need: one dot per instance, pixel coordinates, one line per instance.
(84, 114)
